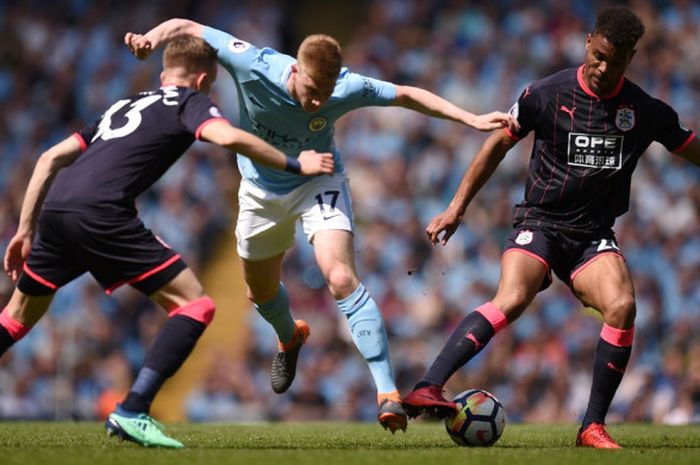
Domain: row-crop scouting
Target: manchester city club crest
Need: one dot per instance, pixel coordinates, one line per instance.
(317, 124)
(624, 118)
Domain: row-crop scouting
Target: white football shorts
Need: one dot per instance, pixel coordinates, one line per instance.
(265, 226)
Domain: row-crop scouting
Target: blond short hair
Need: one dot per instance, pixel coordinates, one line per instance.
(320, 57)
(190, 53)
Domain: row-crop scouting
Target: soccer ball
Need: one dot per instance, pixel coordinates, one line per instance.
(480, 421)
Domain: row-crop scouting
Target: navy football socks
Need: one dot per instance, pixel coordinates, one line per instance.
(172, 346)
(608, 370)
(472, 334)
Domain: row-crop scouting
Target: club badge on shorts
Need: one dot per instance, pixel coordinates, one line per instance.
(524, 237)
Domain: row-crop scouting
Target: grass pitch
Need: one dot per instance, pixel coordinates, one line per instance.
(340, 444)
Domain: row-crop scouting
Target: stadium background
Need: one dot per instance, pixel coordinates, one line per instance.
(62, 63)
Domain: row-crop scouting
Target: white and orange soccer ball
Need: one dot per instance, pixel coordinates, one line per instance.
(480, 421)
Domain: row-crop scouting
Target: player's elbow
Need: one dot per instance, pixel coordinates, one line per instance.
(403, 96)
(50, 161)
(182, 26)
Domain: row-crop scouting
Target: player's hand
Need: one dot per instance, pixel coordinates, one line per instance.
(495, 120)
(313, 163)
(16, 254)
(139, 45)
(446, 223)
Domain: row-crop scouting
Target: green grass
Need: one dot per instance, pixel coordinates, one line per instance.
(340, 444)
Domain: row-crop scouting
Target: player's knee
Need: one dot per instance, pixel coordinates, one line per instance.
(342, 282)
(513, 302)
(620, 311)
(201, 310)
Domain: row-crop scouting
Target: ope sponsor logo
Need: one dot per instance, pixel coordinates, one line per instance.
(595, 150)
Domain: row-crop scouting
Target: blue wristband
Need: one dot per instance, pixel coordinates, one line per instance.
(293, 165)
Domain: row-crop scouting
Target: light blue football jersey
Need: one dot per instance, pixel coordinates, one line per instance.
(268, 111)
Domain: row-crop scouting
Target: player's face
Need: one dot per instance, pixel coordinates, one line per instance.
(605, 64)
(311, 94)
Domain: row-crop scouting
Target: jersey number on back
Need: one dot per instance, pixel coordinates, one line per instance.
(133, 117)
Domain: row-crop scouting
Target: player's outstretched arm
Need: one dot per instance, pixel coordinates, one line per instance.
(430, 104)
(692, 152)
(62, 154)
(309, 163)
(141, 45)
(480, 170)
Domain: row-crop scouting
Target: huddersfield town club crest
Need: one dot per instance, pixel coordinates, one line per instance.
(524, 237)
(624, 118)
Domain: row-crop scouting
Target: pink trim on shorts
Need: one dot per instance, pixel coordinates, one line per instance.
(585, 264)
(494, 315)
(151, 272)
(617, 337)
(38, 278)
(198, 132)
(16, 329)
(530, 254)
(201, 310)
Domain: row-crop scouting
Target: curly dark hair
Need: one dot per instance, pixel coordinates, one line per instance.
(620, 26)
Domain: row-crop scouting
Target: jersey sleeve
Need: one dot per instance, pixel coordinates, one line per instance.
(525, 110)
(197, 111)
(363, 91)
(233, 53)
(85, 135)
(669, 130)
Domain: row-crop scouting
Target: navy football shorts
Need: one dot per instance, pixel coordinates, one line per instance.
(564, 253)
(116, 250)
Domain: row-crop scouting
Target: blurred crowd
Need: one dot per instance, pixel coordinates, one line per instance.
(63, 66)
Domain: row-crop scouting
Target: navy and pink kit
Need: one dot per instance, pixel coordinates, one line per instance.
(580, 170)
(89, 221)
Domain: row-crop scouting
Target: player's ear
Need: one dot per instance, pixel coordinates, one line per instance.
(588, 41)
(201, 81)
(163, 77)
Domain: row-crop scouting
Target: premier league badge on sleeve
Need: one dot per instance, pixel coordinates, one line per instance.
(624, 118)
(238, 46)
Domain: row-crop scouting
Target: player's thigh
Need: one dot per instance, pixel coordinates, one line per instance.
(522, 277)
(605, 284)
(334, 248)
(28, 309)
(180, 291)
(262, 277)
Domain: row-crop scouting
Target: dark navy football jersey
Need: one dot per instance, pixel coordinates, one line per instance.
(129, 147)
(586, 149)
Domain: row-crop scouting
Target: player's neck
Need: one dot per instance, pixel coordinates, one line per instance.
(290, 87)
